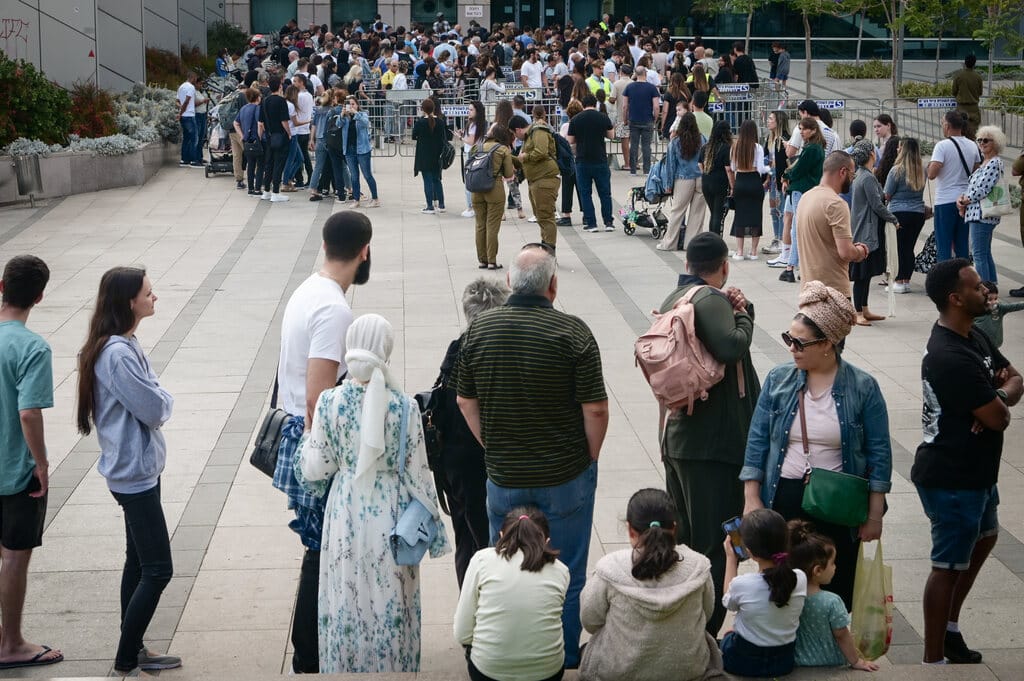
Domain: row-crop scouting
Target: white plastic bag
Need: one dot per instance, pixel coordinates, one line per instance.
(872, 605)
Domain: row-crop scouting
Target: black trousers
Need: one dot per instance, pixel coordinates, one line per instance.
(788, 499)
(906, 240)
(706, 494)
(716, 198)
(306, 160)
(466, 491)
(861, 289)
(274, 156)
(147, 570)
(568, 189)
(253, 170)
(476, 675)
(305, 632)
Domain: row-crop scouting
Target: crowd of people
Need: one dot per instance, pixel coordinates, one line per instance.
(523, 406)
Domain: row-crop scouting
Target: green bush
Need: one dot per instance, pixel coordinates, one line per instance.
(916, 90)
(1009, 99)
(33, 107)
(869, 69)
(222, 34)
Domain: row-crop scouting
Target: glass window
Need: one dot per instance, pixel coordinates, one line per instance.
(268, 16)
(344, 11)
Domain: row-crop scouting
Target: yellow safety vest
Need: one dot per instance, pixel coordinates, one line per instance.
(594, 85)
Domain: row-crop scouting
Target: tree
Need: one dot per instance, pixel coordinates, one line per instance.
(809, 9)
(927, 18)
(994, 21)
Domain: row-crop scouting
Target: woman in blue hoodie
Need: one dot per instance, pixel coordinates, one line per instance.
(119, 394)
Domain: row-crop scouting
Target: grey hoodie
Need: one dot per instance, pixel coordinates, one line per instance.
(649, 630)
(130, 408)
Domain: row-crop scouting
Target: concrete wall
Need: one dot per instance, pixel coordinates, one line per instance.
(100, 40)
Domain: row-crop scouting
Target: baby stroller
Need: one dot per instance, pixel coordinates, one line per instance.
(218, 142)
(639, 212)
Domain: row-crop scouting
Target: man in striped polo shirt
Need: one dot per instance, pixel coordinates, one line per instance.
(531, 388)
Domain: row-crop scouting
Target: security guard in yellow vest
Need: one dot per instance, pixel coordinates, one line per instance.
(597, 81)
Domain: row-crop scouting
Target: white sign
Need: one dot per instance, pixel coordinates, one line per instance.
(734, 87)
(474, 11)
(455, 111)
(936, 103)
(832, 104)
(738, 96)
(512, 90)
(716, 107)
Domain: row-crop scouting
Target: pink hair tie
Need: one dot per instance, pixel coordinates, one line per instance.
(524, 517)
(780, 558)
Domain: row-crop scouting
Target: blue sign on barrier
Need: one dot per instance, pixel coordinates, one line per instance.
(716, 107)
(455, 110)
(936, 103)
(831, 104)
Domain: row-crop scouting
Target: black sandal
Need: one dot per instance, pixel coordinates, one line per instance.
(482, 266)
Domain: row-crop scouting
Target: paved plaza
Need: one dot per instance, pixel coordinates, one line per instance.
(223, 266)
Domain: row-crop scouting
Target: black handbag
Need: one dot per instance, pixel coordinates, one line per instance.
(268, 441)
(254, 148)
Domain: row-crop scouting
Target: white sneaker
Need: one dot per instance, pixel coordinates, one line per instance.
(428, 211)
(609, 227)
(900, 288)
(442, 210)
(737, 256)
(532, 218)
(265, 196)
(278, 198)
(752, 256)
(773, 248)
(468, 213)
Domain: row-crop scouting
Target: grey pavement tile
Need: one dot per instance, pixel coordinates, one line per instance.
(229, 654)
(192, 537)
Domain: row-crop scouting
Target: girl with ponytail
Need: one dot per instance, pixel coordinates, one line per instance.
(653, 591)
(767, 603)
(509, 615)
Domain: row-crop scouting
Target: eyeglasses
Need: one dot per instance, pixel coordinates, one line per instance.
(539, 244)
(799, 343)
(984, 140)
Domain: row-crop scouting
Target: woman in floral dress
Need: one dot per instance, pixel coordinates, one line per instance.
(369, 606)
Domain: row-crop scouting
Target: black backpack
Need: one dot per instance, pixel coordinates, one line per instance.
(333, 137)
(480, 169)
(563, 154)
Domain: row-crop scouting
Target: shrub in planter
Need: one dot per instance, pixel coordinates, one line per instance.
(916, 90)
(143, 112)
(1009, 99)
(33, 107)
(92, 110)
(869, 69)
(164, 68)
(114, 145)
(223, 34)
(27, 147)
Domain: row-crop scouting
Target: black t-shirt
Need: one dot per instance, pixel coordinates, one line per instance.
(589, 127)
(274, 114)
(746, 72)
(958, 376)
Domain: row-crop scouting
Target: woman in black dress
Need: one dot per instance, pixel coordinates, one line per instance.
(716, 174)
(748, 167)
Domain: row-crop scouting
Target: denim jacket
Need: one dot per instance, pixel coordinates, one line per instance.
(362, 120)
(684, 168)
(863, 425)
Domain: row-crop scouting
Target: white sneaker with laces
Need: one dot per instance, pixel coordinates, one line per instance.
(278, 198)
(737, 256)
(532, 218)
(266, 196)
(468, 213)
(752, 256)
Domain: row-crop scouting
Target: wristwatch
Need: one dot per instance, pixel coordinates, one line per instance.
(1002, 395)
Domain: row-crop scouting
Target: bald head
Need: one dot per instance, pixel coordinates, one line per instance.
(533, 272)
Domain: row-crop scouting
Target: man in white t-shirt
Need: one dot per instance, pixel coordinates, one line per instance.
(187, 119)
(304, 114)
(953, 160)
(312, 360)
(532, 72)
(809, 109)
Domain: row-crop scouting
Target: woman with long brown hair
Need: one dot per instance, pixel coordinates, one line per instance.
(675, 92)
(904, 194)
(119, 395)
(748, 166)
(430, 134)
(684, 156)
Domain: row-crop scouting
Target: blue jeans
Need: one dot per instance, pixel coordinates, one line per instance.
(587, 175)
(794, 254)
(322, 159)
(147, 569)
(569, 508)
(432, 188)
(361, 162)
(951, 233)
(200, 135)
(776, 196)
(640, 134)
(294, 160)
(981, 250)
(959, 518)
(188, 139)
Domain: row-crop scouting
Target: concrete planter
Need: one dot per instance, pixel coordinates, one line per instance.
(67, 172)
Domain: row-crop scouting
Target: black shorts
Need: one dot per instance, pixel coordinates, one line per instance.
(22, 518)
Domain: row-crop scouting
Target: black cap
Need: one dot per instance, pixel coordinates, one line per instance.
(706, 247)
(810, 106)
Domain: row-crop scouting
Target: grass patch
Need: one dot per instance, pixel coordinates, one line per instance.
(870, 69)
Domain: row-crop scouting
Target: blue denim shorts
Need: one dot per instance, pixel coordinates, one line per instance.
(959, 517)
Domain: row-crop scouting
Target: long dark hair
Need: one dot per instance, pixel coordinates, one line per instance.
(652, 515)
(721, 135)
(688, 135)
(888, 160)
(503, 112)
(113, 316)
(526, 529)
(478, 119)
(766, 536)
(427, 107)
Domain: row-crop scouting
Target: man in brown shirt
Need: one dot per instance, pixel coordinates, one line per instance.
(823, 233)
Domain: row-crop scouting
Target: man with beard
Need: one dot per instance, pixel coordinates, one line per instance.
(968, 387)
(824, 234)
(313, 330)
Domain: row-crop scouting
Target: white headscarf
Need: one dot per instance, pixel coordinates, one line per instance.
(369, 342)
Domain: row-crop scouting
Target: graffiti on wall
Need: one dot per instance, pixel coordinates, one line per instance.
(14, 36)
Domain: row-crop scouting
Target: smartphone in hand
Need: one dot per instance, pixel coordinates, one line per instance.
(732, 528)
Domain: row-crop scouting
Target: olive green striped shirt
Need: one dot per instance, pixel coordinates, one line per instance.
(531, 367)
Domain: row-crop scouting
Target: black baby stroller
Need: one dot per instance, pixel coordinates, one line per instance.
(638, 212)
(220, 121)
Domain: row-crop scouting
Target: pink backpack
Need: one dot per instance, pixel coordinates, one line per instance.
(678, 367)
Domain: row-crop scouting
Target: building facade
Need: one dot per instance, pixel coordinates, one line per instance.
(101, 40)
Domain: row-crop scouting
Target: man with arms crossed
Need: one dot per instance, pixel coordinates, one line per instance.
(968, 387)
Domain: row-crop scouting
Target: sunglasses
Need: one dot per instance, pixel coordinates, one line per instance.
(984, 140)
(798, 343)
(538, 244)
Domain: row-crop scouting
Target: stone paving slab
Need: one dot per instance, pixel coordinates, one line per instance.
(223, 265)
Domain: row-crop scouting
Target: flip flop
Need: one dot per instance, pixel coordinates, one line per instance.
(36, 661)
